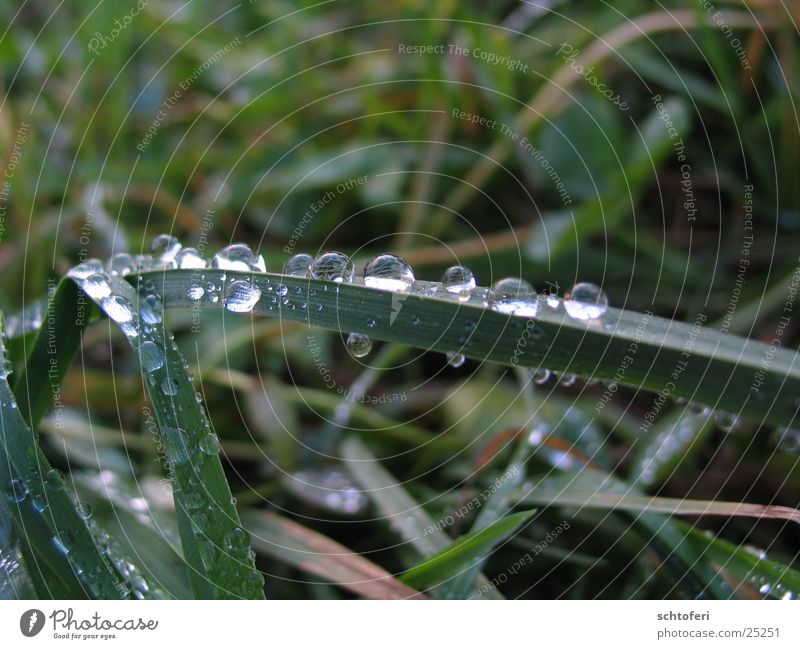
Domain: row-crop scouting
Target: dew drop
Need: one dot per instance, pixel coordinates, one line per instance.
(17, 491)
(568, 380)
(553, 301)
(726, 421)
(190, 258)
(63, 541)
(118, 308)
(455, 359)
(209, 444)
(359, 345)
(96, 286)
(238, 256)
(151, 310)
(86, 268)
(388, 273)
(281, 290)
(178, 442)
(459, 281)
(40, 502)
(333, 267)
(195, 292)
(788, 440)
(236, 540)
(84, 511)
(298, 265)
(54, 479)
(514, 296)
(121, 264)
(151, 356)
(241, 296)
(540, 375)
(586, 301)
(165, 248)
(169, 387)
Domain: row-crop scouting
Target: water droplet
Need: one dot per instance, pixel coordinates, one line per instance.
(54, 479)
(236, 540)
(210, 444)
(764, 589)
(333, 267)
(298, 265)
(788, 440)
(540, 375)
(586, 302)
(514, 296)
(359, 345)
(195, 292)
(459, 281)
(282, 290)
(84, 511)
(169, 387)
(455, 359)
(726, 421)
(86, 268)
(371, 322)
(553, 301)
(17, 491)
(388, 273)
(151, 356)
(568, 380)
(238, 256)
(39, 502)
(190, 258)
(165, 248)
(121, 264)
(118, 308)
(241, 296)
(63, 541)
(96, 286)
(151, 310)
(200, 521)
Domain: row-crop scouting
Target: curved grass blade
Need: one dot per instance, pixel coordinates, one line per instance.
(316, 554)
(742, 567)
(215, 547)
(674, 359)
(470, 548)
(64, 557)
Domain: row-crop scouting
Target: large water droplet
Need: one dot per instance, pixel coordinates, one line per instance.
(190, 258)
(84, 511)
(241, 296)
(209, 444)
(151, 310)
(726, 421)
(788, 440)
(236, 540)
(238, 256)
(459, 281)
(151, 356)
(298, 265)
(586, 302)
(389, 273)
(359, 345)
(540, 375)
(96, 286)
(333, 267)
(514, 296)
(118, 308)
(17, 491)
(165, 248)
(54, 479)
(195, 292)
(121, 264)
(178, 443)
(40, 502)
(169, 387)
(86, 268)
(455, 359)
(63, 541)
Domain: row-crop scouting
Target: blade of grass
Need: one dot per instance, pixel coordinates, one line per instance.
(675, 359)
(316, 554)
(470, 548)
(65, 558)
(214, 545)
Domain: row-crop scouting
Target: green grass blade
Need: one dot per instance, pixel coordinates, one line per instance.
(740, 567)
(673, 358)
(470, 548)
(316, 554)
(215, 546)
(68, 560)
(15, 580)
